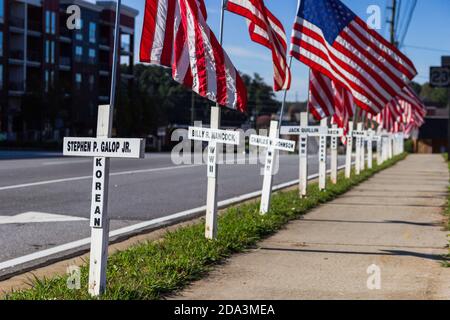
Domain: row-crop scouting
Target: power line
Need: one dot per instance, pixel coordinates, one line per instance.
(411, 13)
(427, 48)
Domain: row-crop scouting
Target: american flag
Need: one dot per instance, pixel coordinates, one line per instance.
(326, 99)
(328, 37)
(175, 35)
(267, 30)
(404, 112)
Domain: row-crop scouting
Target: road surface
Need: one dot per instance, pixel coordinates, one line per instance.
(45, 202)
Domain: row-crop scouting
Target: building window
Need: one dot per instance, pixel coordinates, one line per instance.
(47, 21)
(2, 7)
(47, 51)
(78, 53)
(1, 43)
(1, 73)
(78, 79)
(52, 51)
(92, 55)
(92, 32)
(53, 23)
(79, 34)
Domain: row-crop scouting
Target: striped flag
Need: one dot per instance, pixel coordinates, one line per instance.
(175, 35)
(328, 37)
(268, 31)
(326, 99)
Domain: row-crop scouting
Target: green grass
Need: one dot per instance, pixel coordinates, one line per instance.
(446, 259)
(153, 269)
(447, 208)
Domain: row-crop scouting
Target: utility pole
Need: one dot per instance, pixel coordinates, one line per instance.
(392, 22)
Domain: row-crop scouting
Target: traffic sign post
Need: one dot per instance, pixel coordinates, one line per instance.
(273, 144)
(349, 150)
(101, 149)
(215, 138)
(440, 77)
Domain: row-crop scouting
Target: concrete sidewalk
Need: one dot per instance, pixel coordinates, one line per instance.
(394, 221)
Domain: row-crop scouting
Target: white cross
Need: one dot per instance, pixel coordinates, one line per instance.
(213, 136)
(101, 149)
(273, 144)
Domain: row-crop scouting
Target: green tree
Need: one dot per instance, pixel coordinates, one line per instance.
(436, 96)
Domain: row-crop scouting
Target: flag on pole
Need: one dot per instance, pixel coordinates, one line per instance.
(326, 99)
(328, 37)
(175, 35)
(268, 31)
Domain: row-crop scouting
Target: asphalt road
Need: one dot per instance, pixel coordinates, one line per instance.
(140, 190)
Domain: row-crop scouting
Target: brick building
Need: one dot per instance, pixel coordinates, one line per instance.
(55, 69)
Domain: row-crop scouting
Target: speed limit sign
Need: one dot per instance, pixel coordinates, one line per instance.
(440, 77)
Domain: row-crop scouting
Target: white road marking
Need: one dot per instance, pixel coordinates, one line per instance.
(57, 163)
(37, 217)
(135, 227)
(46, 182)
(40, 183)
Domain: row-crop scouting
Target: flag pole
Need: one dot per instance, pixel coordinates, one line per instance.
(211, 193)
(115, 60)
(283, 104)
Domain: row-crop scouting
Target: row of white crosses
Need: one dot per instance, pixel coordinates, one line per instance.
(103, 147)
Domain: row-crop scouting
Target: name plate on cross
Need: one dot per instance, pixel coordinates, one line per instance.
(335, 132)
(359, 133)
(100, 149)
(276, 144)
(104, 147)
(213, 136)
(310, 130)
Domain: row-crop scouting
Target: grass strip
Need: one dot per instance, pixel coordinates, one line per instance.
(446, 259)
(153, 269)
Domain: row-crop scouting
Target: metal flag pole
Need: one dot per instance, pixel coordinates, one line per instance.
(100, 236)
(211, 196)
(283, 104)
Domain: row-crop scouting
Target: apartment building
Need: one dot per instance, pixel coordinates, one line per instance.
(55, 65)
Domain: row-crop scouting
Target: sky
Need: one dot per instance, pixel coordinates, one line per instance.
(429, 28)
